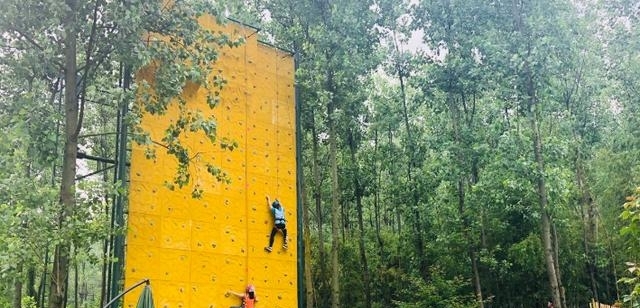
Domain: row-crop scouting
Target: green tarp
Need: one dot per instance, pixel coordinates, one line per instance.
(146, 298)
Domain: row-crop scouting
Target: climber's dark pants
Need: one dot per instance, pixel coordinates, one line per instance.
(281, 227)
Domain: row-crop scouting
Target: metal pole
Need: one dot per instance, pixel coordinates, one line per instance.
(109, 264)
(299, 179)
(118, 244)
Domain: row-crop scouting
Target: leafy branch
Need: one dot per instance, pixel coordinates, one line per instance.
(631, 215)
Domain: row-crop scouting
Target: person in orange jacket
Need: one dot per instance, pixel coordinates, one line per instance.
(249, 298)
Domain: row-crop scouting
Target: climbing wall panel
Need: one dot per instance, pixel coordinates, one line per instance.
(194, 250)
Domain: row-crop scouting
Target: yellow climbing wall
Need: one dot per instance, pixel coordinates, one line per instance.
(194, 250)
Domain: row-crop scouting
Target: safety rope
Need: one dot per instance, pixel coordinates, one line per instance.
(246, 160)
(277, 127)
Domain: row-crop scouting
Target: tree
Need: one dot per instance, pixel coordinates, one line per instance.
(530, 70)
(74, 40)
(28, 120)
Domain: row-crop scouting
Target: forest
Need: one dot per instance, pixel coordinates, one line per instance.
(454, 153)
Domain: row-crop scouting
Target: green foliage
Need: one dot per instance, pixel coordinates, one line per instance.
(631, 231)
(439, 291)
(178, 53)
(521, 254)
(442, 165)
(29, 302)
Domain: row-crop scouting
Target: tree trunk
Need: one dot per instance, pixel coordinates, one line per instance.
(613, 262)
(477, 285)
(587, 213)
(466, 226)
(308, 279)
(411, 151)
(545, 224)
(376, 200)
(366, 280)
(473, 248)
(59, 275)
(346, 227)
(317, 198)
(358, 192)
(31, 282)
(471, 251)
(335, 197)
(75, 279)
(395, 220)
(17, 287)
(42, 286)
(465, 171)
(335, 213)
(541, 189)
(556, 253)
(106, 249)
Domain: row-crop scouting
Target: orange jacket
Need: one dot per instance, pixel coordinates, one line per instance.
(248, 302)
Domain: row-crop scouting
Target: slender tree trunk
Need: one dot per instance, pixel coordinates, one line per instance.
(586, 204)
(358, 192)
(395, 220)
(541, 189)
(17, 287)
(376, 199)
(587, 213)
(346, 228)
(308, 278)
(613, 262)
(75, 280)
(335, 213)
(477, 285)
(105, 245)
(335, 197)
(317, 198)
(104, 149)
(557, 264)
(42, 286)
(545, 224)
(472, 247)
(104, 289)
(60, 271)
(411, 163)
(466, 224)
(31, 282)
